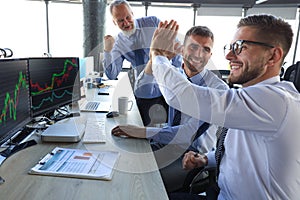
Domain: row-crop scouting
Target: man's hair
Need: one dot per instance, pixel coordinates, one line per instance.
(270, 29)
(199, 30)
(117, 3)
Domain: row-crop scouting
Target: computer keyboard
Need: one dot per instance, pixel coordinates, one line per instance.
(94, 131)
(20, 136)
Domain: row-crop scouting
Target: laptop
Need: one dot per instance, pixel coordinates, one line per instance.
(67, 130)
(95, 106)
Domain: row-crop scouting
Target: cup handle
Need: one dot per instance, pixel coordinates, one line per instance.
(130, 107)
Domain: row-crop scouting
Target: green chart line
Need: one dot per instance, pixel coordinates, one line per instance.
(57, 78)
(10, 104)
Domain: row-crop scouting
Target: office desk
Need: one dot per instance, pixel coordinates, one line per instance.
(135, 177)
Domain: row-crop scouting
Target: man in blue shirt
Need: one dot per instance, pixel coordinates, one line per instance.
(171, 141)
(132, 44)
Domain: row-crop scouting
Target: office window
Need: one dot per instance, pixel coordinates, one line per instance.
(23, 28)
(183, 16)
(66, 29)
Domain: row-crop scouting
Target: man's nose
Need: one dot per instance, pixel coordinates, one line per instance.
(125, 22)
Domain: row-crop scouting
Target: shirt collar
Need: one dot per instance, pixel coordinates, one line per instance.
(198, 78)
(271, 80)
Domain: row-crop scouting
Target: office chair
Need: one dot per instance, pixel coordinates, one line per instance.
(292, 74)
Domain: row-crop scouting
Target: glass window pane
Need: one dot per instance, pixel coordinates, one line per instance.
(23, 27)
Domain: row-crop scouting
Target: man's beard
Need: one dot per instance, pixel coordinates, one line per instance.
(191, 67)
(246, 76)
(130, 32)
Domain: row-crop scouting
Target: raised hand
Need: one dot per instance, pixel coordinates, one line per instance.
(163, 40)
(109, 42)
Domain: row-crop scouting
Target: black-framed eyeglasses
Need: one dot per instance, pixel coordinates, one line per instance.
(237, 46)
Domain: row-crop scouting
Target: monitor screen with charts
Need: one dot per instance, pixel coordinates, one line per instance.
(54, 82)
(14, 97)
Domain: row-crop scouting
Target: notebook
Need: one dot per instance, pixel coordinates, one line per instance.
(67, 130)
(95, 106)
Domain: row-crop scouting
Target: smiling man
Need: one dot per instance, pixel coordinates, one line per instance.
(132, 44)
(171, 141)
(261, 158)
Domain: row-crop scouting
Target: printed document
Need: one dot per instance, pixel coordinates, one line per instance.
(77, 163)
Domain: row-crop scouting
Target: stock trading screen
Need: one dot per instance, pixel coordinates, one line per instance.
(54, 82)
(14, 97)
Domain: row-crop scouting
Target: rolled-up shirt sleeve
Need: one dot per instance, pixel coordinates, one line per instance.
(112, 63)
(211, 159)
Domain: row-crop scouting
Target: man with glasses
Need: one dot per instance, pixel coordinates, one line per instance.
(261, 158)
(132, 44)
(237, 46)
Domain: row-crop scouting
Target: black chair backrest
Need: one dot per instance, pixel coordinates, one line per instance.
(292, 74)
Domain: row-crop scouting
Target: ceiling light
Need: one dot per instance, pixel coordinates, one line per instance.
(260, 1)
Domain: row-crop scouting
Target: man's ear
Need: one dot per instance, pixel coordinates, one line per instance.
(114, 22)
(276, 56)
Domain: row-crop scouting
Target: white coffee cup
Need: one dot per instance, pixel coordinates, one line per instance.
(123, 105)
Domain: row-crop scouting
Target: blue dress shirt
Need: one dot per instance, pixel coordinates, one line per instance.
(134, 48)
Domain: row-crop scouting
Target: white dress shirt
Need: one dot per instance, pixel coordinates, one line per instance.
(182, 134)
(262, 151)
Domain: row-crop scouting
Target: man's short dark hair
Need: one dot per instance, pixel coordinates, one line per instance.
(199, 30)
(270, 29)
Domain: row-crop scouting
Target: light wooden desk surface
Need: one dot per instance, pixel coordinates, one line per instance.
(136, 175)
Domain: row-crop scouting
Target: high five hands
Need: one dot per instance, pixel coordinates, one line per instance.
(163, 40)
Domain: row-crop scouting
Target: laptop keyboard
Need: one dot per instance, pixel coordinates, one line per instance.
(92, 105)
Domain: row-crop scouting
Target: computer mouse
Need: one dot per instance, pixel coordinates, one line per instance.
(112, 114)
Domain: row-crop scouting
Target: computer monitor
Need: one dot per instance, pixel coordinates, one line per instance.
(82, 68)
(14, 97)
(54, 82)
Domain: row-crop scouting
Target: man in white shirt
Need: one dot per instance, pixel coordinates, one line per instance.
(261, 158)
